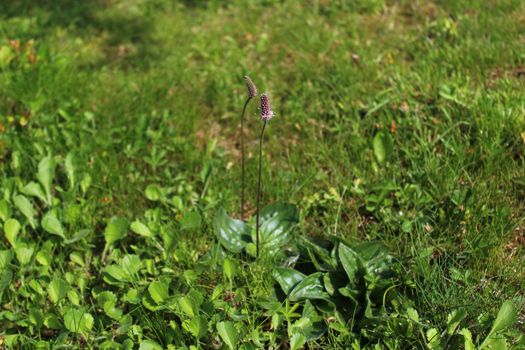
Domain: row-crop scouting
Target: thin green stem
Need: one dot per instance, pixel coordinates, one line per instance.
(259, 185)
(242, 156)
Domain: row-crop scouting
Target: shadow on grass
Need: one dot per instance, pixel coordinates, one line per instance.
(127, 30)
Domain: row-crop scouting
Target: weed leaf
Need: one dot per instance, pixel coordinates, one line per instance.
(115, 230)
(228, 333)
(232, 234)
(277, 222)
(311, 287)
(350, 261)
(78, 320)
(11, 229)
(46, 175)
(383, 146)
(287, 278)
(51, 224)
(26, 207)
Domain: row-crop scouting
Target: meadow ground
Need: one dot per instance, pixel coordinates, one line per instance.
(399, 122)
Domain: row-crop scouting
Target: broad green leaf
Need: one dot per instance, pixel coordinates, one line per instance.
(383, 146)
(6, 55)
(116, 273)
(8, 187)
(154, 192)
(311, 326)
(5, 210)
(319, 251)
(125, 271)
(115, 230)
(141, 229)
(191, 220)
(16, 161)
(311, 287)
(51, 224)
(351, 291)
(228, 333)
(73, 297)
(287, 278)
(46, 175)
(132, 296)
(433, 339)
(230, 268)
(168, 238)
(77, 258)
(51, 321)
(132, 264)
(125, 324)
(78, 320)
(297, 341)
(276, 223)
(149, 345)
(376, 259)
(177, 202)
(36, 317)
(10, 340)
(469, 344)
(191, 303)
(85, 183)
(37, 288)
(159, 291)
(106, 297)
(107, 301)
(11, 229)
(113, 312)
(232, 234)
(24, 252)
(370, 250)
(150, 304)
(5, 258)
(507, 316)
(453, 320)
(35, 190)
(197, 326)
(5, 279)
(413, 314)
(350, 261)
(496, 342)
(57, 290)
(26, 207)
(71, 166)
(309, 311)
(189, 306)
(77, 236)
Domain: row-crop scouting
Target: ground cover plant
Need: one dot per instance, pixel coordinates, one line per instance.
(391, 187)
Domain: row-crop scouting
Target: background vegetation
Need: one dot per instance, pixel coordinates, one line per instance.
(396, 121)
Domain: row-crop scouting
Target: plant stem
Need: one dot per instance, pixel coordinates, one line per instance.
(259, 185)
(242, 156)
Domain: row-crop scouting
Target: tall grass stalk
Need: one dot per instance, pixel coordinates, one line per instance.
(259, 187)
(266, 115)
(252, 92)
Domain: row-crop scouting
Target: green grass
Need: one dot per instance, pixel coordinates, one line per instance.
(145, 98)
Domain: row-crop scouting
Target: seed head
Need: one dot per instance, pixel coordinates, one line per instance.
(266, 108)
(252, 89)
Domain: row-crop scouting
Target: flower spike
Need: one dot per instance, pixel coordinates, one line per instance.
(252, 89)
(266, 108)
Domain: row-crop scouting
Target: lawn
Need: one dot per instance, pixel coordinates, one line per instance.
(393, 187)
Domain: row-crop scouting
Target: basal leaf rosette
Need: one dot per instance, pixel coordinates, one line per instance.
(336, 277)
(277, 222)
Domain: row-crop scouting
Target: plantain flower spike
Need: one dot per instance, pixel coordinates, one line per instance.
(266, 108)
(252, 89)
